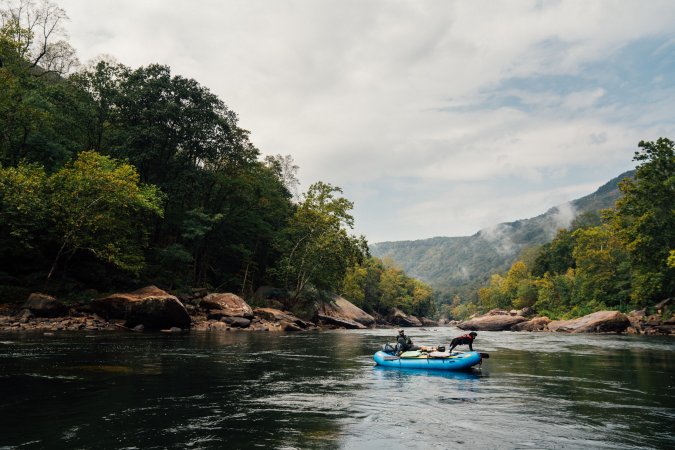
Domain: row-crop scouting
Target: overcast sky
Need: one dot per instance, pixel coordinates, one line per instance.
(437, 118)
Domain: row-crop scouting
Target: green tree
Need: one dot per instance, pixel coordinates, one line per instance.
(97, 205)
(354, 285)
(556, 293)
(22, 208)
(320, 250)
(602, 268)
(645, 221)
(32, 38)
(513, 290)
(555, 257)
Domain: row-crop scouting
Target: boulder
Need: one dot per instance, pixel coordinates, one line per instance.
(641, 323)
(339, 322)
(236, 322)
(342, 310)
(43, 305)
(25, 315)
(495, 322)
(231, 305)
(398, 317)
(527, 311)
(597, 322)
(536, 324)
(637, 319)
(428, 322)
(282, 319)
(271, 296)
(149, 306)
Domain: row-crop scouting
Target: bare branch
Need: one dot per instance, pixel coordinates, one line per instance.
(35, 28)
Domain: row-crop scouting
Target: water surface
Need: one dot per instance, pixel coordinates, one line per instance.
(321, 390)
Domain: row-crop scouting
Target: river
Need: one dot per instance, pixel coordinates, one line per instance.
(241, 390)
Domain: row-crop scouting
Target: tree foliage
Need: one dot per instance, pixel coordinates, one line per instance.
(378, 286)
(645, 221)
(94, 204)
(623, 261)
(130, 175)
(98, 205)
(319, 248)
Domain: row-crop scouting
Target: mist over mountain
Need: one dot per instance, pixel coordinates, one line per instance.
(454, 264)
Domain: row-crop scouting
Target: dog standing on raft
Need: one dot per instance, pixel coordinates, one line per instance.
(466, 339)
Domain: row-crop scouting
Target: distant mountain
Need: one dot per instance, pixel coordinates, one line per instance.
(454, 264)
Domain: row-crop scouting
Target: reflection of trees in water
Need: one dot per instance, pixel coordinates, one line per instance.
(619, 388)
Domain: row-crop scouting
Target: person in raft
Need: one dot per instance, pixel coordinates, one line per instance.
(405, 344)
(467, 339)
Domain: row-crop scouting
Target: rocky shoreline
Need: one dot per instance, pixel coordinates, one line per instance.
(152, 309)
(635, 322)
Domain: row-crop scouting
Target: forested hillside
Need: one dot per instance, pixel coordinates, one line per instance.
(458, 265)
(625, 261)
(113, 177)
(621, 257)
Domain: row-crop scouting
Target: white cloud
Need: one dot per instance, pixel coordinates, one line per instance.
(370, 94)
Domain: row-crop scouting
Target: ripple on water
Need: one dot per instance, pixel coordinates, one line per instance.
(322, 390)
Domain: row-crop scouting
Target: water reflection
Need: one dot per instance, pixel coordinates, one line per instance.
(322, 390)
(393, 373)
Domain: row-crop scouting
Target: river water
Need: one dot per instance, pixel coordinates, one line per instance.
(321, 390)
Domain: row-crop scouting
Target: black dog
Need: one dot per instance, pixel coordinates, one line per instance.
(467, 339)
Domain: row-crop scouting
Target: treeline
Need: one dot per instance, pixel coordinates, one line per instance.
(623, 258)
(379, 286)
(112, 177)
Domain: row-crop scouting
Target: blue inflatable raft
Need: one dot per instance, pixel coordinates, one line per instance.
(419, 360)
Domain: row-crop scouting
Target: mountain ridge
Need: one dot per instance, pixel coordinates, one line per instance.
(452, 264)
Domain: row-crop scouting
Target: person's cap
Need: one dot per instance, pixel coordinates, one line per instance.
(473, 333)
(400, 331)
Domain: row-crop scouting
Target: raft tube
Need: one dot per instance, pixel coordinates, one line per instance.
(456, 361)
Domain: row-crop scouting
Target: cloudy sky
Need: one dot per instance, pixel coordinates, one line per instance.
(437, 118)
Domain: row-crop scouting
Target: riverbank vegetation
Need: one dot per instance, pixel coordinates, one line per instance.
(620, 259)
(114, 177)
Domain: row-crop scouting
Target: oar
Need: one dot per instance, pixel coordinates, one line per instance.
(484, 355)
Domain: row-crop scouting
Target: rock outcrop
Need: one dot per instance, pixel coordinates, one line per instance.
(597, 322)
(43, 305)
(343, 313)
(642, 323)
(401, 319)
(535, 324)
(427, 322)
(276, 320)
(494, 322)
(229, 305)
(150, 306)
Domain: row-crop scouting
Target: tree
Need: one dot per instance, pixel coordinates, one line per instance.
(97, 205)
(555, 257)
(602, 267)
(22, 207)
(555, 293)
(319, 248)
(30, 35)
(286, 170)
(43, 117)
(645, 221)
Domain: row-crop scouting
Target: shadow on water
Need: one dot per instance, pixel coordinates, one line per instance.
(385, 373)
